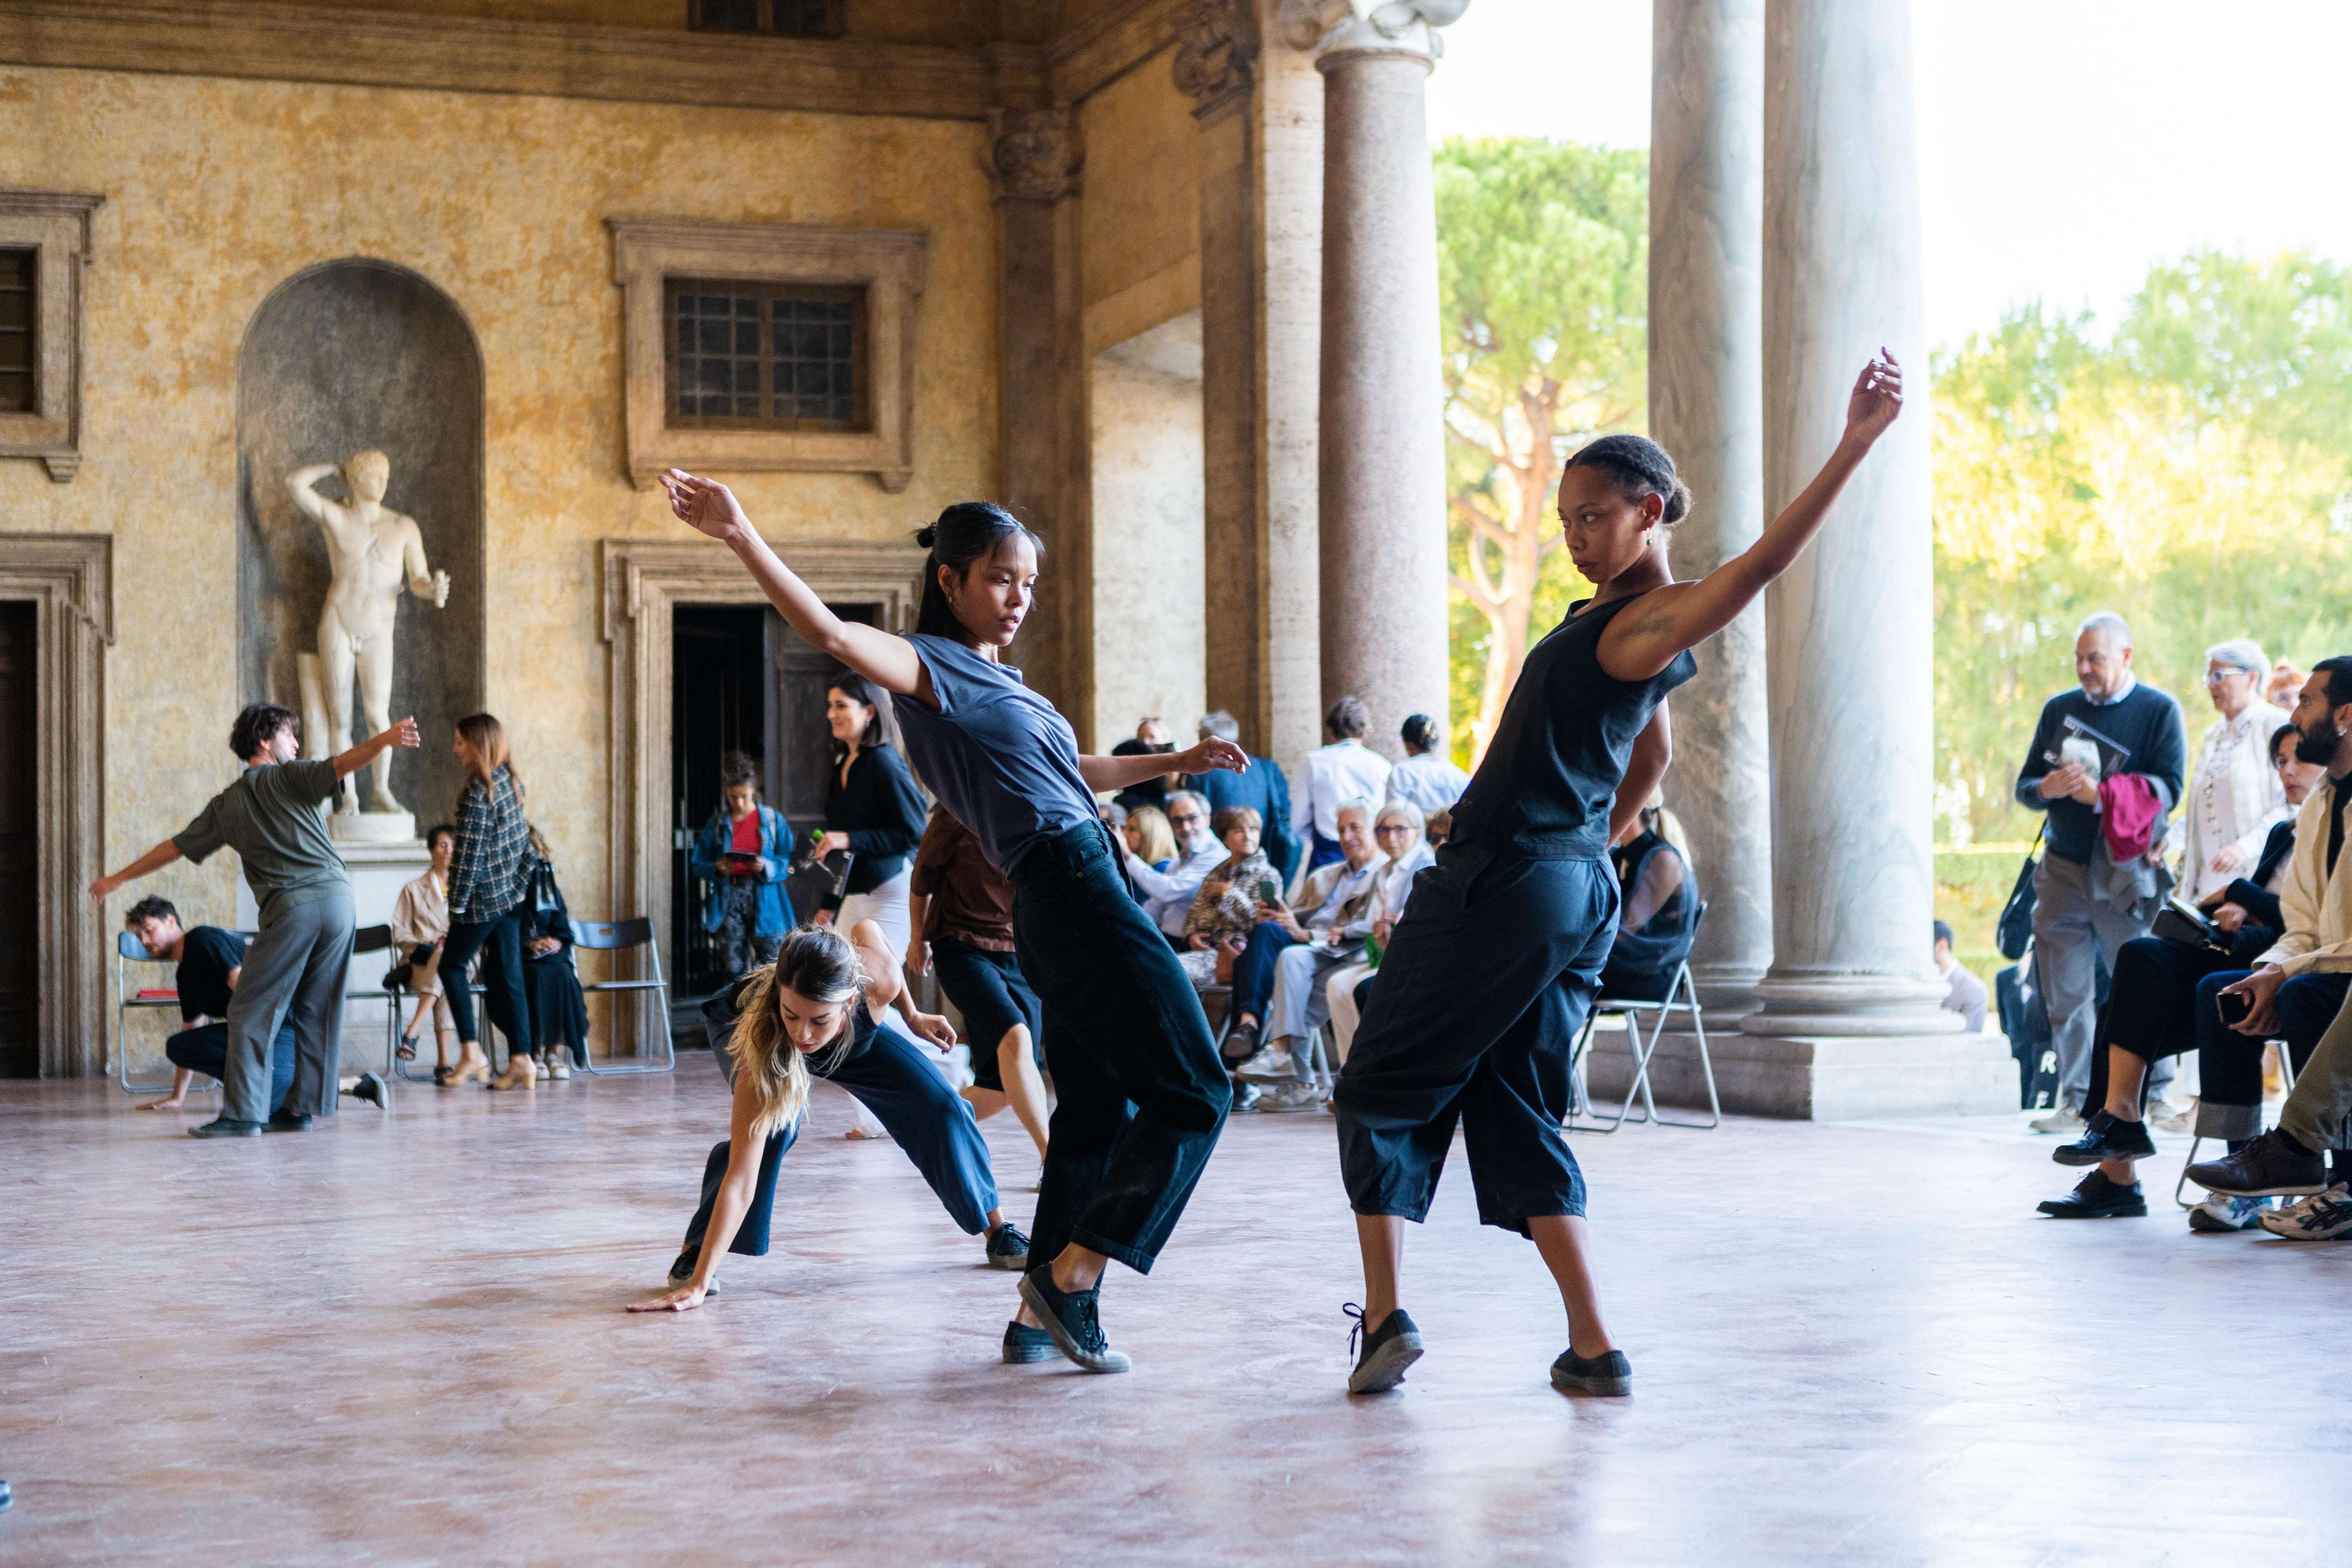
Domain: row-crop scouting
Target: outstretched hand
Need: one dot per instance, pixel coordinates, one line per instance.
(1213, 754)
(1877, 399)
(685, 1299)
(704, 505)
(404, 734)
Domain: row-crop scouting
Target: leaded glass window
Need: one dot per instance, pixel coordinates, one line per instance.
(745, 355)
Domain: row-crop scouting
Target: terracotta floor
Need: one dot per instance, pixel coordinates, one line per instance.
(400, 1341)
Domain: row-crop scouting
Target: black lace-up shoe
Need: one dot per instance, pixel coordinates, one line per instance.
(2265, 1168)
(1074, 1319)
(370, 1088)
(2096, 1197)
(1007, 1248)
(1608, 1373)
(1388, 1351)
(681, 1273)
(223, 1127)
(2106, 1137)
(286, 1122)
(1023, 1344)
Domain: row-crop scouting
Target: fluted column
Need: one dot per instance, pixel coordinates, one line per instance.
(1706, 191)
(1849, 627)
(1381, 467)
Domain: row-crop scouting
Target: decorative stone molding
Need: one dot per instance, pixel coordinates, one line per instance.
(1216, 51)
(58, 225)
(1032, 155)
(1336, 26)
(644, 580)
(69, 577)
(888, 262)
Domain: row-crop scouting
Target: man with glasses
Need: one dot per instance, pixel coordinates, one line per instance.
(1167, 895)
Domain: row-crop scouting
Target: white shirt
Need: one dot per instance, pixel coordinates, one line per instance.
(1396, 882)
(2233, 798)
(1428, 781)
(1336, 775)
(1170, 891)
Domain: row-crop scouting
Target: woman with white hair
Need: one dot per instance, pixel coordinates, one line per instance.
(2233, 794)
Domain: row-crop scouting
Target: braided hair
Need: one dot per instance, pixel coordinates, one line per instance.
(1638, 467)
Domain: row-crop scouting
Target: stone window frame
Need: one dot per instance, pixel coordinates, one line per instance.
(888, 262)
(57, 224)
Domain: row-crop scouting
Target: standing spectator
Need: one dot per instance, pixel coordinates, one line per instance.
(1151, 738)
(2285, 684)
(2087, 905)
(2234, 797)
(489, 880)
(1427, 777)
(1343, 771)
(1168, 894)
(872, 809)
(1966, 996)
(743, 852)
(1262, 788)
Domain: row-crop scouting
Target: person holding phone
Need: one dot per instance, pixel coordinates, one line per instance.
(1223, 913)
(741, 854)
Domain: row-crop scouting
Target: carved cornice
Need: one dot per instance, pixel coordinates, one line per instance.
(1338, 27)
(1216, 51)
(1109, 42)
(1032, 155)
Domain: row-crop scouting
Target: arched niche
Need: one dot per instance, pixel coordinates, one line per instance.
(343, 357)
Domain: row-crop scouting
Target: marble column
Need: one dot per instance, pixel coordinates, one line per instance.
(1706, 193)
(1850, 1024)
(1381, 464)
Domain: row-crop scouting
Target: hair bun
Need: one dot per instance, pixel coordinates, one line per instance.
(928, 535)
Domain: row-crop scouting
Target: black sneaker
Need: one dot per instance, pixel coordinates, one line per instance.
(1247, 1097)
(1074, 1319)
(1008, 1248)
(1608, 1373)
(1388, 1351)
(2106, 1137)
(2096, 1197)
(1240, 1045)
(287, 1121)
(370, 1088)
(223, 1127)
(1023, 1344)
(681, 1273)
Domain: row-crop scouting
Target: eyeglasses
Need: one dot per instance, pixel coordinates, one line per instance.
(1180, 821)
(1393, 828)
(2215, 676)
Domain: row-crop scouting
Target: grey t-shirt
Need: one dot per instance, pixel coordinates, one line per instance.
(1002, 762)
(271, 819)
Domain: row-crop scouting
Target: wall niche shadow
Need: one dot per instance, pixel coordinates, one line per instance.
(343, 357)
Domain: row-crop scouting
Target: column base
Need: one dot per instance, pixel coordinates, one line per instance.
(1827, 1078)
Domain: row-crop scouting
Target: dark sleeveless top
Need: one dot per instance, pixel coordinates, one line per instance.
(719, 1012)
(1559, 750)
(1664, 939)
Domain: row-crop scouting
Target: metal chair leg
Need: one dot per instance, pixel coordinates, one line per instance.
(1706, 1063)
(2182, 1184)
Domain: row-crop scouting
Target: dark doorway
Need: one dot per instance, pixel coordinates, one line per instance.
(740, 680)
(20, 962)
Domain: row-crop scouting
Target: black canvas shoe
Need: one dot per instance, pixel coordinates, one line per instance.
(370, 1088)
(2096, 1197)
(1388, 1351)
(1008, 1248)
(1074, 1319)
(1608, 1373)
(1023, 1344)
(681, 1273)
(223, 1127)
(2265, 1168)
(287, 1121)
(2106, 1137)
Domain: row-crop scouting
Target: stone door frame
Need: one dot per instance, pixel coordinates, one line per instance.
(69, 578)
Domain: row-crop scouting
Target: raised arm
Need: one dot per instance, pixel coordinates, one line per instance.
(1117, 772)
(299, 483)
(402, 733)
(710, 509)
(1636, 647)
(155, 860)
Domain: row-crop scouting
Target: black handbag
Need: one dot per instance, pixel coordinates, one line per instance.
(2176, 921)
(2016, 925)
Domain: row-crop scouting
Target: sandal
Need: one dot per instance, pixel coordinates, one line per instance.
(406, 1050)
(521, 1073)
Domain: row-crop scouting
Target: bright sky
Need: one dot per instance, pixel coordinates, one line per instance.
(2064, 144)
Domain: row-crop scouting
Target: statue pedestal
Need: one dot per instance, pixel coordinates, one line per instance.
(378, 871)
(371, 827)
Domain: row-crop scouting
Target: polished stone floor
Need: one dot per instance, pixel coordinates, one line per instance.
(400, 1341)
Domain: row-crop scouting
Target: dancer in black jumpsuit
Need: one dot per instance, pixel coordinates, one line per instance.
(1498, 956)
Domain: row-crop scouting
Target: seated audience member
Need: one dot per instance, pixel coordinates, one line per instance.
(1262, 788)
(1325, 926)
(1439, 826)
(1400, 831)
(1343, 771)
(1224, 912)
(1966, 996)
(1168, 889)
(1114, 815)
(209, 961)
(2169, 995)
(2286, 1161)
(558, 1009)
(1427, 777)
(420, 924)
(1150, 737)
(1149, 837)
(1658, 911)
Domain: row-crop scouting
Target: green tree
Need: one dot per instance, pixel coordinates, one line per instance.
(1543, 264)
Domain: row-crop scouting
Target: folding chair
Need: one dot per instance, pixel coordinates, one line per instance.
(1682, 997)
(129, 949)
(2286, 1076)
(378, 939)
(621, 936)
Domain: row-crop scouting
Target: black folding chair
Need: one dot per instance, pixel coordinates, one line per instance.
(623, 936)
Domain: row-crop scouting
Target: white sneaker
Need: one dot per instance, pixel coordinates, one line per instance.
(1299, 1096)
(2160, 1110)
(2323, 1217)
(1270, 1064)
(2059, 1120)
(2219, 1213)
(2179, 1123)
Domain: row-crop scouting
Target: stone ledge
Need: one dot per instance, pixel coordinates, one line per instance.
(1821, 1078)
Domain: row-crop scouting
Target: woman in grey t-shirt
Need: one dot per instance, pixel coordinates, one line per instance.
(1123, 1026)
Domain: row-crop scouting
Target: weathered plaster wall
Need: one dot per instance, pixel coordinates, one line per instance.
(1150, 658)
(1141, 234)
(218, 190)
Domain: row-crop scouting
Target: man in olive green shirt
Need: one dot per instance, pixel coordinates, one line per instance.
(272, 817)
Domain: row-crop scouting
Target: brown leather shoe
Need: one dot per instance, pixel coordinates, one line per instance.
(2265, 1168)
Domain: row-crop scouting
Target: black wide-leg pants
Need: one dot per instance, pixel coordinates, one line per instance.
(1141, 1096)
(1487, 979)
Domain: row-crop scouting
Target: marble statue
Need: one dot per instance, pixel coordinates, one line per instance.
(376, 553)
